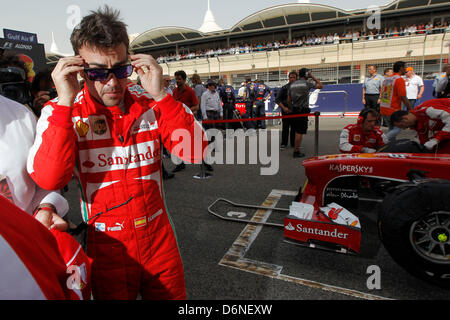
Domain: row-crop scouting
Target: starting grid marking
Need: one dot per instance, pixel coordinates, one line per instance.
(235, 257)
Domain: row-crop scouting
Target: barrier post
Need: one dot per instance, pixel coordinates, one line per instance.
(202, 174)
(316, 133)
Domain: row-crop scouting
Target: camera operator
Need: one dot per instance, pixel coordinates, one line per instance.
(42, 90)
(298, 100)
(13, 80)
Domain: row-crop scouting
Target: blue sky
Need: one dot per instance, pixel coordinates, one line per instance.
(43, 17)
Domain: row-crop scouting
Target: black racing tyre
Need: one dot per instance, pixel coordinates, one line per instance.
(414, 227)
(404, 146)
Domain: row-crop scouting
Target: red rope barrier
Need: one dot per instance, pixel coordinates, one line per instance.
(260, 118)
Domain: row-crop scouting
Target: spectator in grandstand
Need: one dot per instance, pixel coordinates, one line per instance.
(364, 136)
(446, 27)
(336, 38)
(186, 95)
(372, 88)
(414, 86)
(298, 100)
(393, 96)
(431, 121)
(330, 39)
(429, 28)
(442, 83)
(287, 132)
(348, 37)
(421, 28)
(226, 93)
(262, 94)
(312, 40)
(438, 28)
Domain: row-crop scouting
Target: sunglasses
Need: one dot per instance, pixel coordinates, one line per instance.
(101, 74)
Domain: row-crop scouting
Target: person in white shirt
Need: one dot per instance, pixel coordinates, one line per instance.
(414, 86)
(336, 38)
(17, 133)
(211, 108)
(210, 103)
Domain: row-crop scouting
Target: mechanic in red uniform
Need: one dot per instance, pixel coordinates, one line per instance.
(364, 136)
(431, 120)
(107, 135)
(188, 97)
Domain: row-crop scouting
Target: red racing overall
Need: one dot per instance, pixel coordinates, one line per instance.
(115, 157)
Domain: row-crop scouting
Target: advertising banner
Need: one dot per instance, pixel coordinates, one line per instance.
(33, 54)
(20, 36)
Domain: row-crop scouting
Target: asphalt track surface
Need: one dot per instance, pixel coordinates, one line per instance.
(228, 260)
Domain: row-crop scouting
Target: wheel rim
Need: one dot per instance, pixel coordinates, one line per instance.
(430, 237)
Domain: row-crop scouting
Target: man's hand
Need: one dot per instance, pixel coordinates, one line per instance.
(51, 220)
(150, 74)
(364, 101)
(41, 98)
(65, 79)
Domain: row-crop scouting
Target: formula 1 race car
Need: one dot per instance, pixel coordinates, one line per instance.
(410, 191)
(413, 193)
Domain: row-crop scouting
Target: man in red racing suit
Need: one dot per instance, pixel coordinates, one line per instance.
(108, 136)
(364, 136)
(126, 241)
(431, 121)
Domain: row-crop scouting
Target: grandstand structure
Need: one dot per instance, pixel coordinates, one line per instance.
(340, 62)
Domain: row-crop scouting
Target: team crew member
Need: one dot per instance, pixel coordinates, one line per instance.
(108, 135)
(228, 98)
(249, 99)
(298, 99)
(371, 89)
(186, 95)
(364, 136)
(287, 131)
(262, 94)
(393, 96)
(431, 120)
